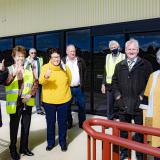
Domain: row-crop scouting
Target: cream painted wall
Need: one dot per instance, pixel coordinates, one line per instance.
(31, 16)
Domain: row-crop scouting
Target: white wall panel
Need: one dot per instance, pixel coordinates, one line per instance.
(30, 16)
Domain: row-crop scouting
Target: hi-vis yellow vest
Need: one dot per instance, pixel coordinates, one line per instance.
(110, 65)
(12, 91)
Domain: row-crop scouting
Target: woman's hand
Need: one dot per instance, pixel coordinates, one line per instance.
(2, 67)
(48, 73)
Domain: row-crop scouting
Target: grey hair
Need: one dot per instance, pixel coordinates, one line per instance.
(113, 42)
(70, 45)
(132, 40)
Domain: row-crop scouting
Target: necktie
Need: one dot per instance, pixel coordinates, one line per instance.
(130, 64)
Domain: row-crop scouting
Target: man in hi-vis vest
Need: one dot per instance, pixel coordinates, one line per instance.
(35, 63)
(111, 60)
(20, 88)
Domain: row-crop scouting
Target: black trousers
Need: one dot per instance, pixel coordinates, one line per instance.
(138, 119)
(23, 113)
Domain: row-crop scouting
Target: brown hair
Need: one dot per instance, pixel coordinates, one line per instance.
(53, 50)
(18, 49)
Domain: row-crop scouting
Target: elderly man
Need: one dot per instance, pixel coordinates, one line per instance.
(129, 82)
(78, 70)
(35, 63)
(111, 60)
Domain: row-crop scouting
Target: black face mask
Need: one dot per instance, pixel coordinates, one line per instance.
(35, 58)
(114, 51)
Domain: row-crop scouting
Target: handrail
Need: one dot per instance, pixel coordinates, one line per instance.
(117, 140)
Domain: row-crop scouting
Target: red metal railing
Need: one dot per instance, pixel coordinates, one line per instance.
(116, 140)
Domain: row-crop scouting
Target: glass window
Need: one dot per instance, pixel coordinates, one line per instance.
(101, 42)
(26, 41)
(81, 40)
(6, 44)
(149, 44)
(46, 41)
(101, 49)
(6, 50)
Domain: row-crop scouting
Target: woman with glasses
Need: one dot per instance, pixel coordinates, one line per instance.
(55, 79)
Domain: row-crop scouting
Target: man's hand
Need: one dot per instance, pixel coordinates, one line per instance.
(103, 89)
(2, 67)
(48, 73)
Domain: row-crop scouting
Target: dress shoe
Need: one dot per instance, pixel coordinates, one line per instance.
(49, 148)
(69, 125)
(15, 156)
(26, 152)
(139, 157)
(64, 148)
(40, 112)
(123, 156)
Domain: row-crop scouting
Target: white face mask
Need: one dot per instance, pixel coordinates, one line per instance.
(158, 59)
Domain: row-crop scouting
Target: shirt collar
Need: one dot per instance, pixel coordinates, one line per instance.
(68, 60)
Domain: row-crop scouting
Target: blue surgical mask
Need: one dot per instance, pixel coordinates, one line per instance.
(114, 51)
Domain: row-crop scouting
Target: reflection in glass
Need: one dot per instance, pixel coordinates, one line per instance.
(26, 41)
(101, 42)
(6, 50)
(81, 40)
(6, 44)
(46, 41)
(149, 44)
(101, 49)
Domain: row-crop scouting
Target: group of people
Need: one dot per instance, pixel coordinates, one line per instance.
(130, 84)
(132, 92)
(26, 80)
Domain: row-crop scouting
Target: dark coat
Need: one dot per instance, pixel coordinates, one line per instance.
(3, 77)
(130, 85)
(82, 70)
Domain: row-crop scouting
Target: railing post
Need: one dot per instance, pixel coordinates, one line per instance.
(89, 147)
(106, 151)
(94, 149)
(115, 154)
(145, 142)
(129, 152)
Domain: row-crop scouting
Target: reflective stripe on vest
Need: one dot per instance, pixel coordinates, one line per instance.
(28, 82)
(110, 65)
(12, 92)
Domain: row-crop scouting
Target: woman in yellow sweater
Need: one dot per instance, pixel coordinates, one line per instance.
(55, 79)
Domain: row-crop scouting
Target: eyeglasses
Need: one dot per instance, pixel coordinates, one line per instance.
(56, 57)
(33, 52)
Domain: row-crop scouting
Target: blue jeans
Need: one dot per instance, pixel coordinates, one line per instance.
(50, 110)
(79, 97)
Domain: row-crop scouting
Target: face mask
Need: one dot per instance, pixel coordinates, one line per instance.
(114, 51)
(158, 59)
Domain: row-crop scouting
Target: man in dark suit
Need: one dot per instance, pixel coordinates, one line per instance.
(129, 82)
